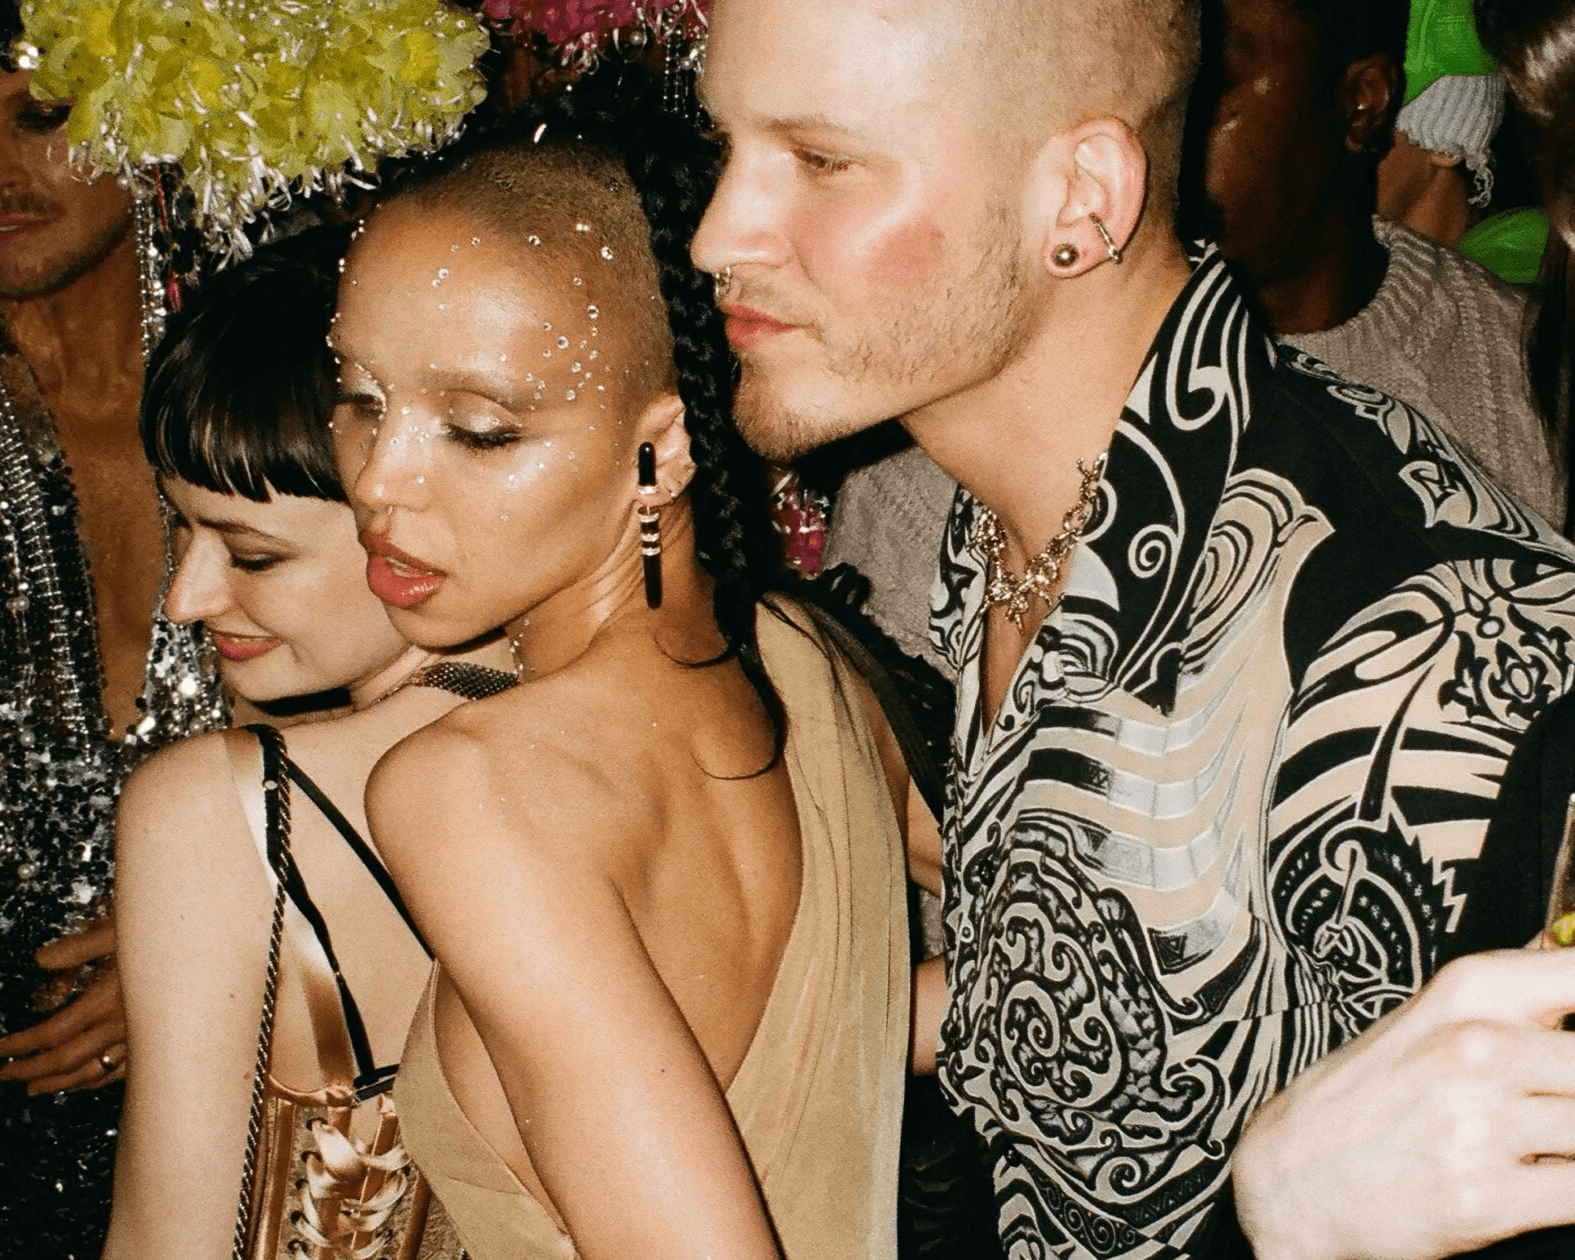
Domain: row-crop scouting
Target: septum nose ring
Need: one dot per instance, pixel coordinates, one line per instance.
(721, 282)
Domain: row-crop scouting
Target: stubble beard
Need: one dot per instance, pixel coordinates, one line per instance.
(53, 274)
(960, 329)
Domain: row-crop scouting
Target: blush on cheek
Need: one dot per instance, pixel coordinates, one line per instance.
(909, 255)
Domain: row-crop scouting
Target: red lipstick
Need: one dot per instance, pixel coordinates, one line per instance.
(396, 577)
(241, 647)
(747, 327)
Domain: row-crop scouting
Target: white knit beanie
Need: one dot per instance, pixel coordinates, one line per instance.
(1458, 115)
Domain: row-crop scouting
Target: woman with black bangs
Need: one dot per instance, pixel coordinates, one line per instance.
(235, 421)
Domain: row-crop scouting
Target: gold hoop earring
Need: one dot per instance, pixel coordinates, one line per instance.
(1104, 235)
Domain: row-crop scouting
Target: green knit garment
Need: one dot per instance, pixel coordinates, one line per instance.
(1442, 40)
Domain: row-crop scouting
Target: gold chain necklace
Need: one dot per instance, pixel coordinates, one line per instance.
(1044, 570)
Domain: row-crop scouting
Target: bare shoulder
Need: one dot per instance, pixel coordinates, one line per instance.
(514, 766)
(181, 789)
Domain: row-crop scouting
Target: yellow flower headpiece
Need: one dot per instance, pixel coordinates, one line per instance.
(253, 100)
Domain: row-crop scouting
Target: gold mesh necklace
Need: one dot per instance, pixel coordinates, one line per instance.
(1044, 570)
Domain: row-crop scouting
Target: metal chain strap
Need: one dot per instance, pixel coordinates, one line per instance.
(276, 805)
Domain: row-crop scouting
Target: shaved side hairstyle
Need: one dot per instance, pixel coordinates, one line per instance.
(562, 203)
(602, 185)
(1054, 64)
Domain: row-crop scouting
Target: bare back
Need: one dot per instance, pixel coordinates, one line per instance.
(701, 849)
(192, 885)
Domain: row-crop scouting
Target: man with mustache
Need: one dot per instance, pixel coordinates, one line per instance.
(1244, 651)
(82, 551)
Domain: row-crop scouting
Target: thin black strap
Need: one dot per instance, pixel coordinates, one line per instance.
(358, 846)
(927, 776)
(290, 876)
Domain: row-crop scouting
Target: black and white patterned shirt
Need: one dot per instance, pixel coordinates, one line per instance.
(1229, 811)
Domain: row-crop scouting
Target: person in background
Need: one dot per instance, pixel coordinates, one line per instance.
(1309, 92)
(1437, 176)
(1534, 41)
(1302, 112)
(84, 659)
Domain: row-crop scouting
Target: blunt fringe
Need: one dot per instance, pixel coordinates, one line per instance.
(240, 392)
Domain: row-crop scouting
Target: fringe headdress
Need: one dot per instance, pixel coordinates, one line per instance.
(253, 100)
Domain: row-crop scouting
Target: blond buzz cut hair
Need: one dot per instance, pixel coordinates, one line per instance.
(1048, 66)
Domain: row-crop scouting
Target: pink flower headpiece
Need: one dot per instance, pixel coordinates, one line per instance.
(580, 28)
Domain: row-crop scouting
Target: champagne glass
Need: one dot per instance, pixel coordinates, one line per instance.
(1560, 920)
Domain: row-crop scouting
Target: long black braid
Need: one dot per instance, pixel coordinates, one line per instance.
(672, 169)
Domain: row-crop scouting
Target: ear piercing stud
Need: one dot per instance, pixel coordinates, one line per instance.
(1065, 255)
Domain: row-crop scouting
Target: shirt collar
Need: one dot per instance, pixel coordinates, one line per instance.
(1130, 589)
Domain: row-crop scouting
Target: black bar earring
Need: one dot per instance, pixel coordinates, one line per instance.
(650, 528)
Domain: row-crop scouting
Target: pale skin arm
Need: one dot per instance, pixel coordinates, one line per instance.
(193, 917)
(62, 1052)
(619, 1111)
(1418, 1139)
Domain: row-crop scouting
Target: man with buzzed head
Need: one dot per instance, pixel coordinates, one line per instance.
(1244, 651)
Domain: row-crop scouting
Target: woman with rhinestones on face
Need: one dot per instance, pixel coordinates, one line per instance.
(663, 877)
(235, 421)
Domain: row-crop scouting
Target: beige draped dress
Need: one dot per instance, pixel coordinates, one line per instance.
(818, 1098)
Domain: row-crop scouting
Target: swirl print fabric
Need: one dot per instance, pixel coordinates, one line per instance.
(1229, 810)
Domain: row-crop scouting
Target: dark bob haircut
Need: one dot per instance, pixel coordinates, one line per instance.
(240, 392)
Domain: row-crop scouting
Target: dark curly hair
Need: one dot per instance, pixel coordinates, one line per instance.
(547, 160)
